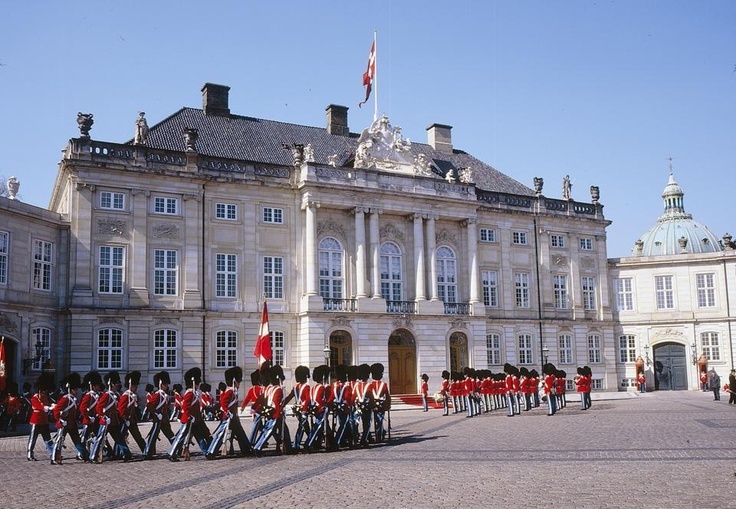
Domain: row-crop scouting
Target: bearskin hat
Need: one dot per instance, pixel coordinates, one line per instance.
(364, 371)
(341, 372)
(562, 374)
(133, 378)
(377, 371)
(549, 369)
(112, 378)
(352, 372)
(193, 376)
(321, 373)
(178, 388)
(523, 371)
(264, 376)
(301, 373)
(234, 373)
(445, 374)
(74, 380)
(161, 378)
(150, 388)
(205, 387)
(588, 371)
(425, 377)
(534, 373)
(276, 374)
(92, 379)
(45, 382)
(255, 378)
(581, 371)
(221, 386)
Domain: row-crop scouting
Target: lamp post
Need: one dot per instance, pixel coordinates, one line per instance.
(694, 352)
(545, 354)
(646, 355)
(326, 351)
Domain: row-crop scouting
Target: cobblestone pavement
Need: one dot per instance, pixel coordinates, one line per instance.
(664, 450)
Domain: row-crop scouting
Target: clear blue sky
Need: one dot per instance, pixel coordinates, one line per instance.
(603, 91)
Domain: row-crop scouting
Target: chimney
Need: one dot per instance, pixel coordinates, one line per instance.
(215, 99)
(337, 120)
(439, 136)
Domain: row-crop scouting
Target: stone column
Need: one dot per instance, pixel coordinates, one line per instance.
(139, 232)
(375, 255)
(310, 240)
(81, 247)
(473, 259)
(419, 256)
(360, 273)
(192, 251)
(432, 250)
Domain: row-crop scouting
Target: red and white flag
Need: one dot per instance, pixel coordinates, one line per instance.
(369, 74)
(262, 351)
(3, 376)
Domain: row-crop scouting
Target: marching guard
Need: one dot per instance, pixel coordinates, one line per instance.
(39, 421)
(381, 398)
(255, 398)
(273, 412)
(319, 408)
(157, 405)
(191, 420)
(109, 421)
(342, 405)
(66, 415)
(128, 409)
(230, 420)
(444, 392)
(363, 405)
(302, 400)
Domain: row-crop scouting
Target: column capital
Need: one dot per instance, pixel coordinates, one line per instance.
(310, 204)
(469, 221)
(137, 192)
(360, 209)
(375, 210)
(84, 185)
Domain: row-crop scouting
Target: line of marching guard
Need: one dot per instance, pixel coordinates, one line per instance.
(479, 391)
(343, 408)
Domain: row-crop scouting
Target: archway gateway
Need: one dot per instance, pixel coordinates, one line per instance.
(402, 362)
(670, 367)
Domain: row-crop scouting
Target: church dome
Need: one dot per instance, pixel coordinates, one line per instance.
(676, 231)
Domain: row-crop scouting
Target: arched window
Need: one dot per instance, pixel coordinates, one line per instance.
(458, 351)
(330, 269)
(391, 277)
(446, 275)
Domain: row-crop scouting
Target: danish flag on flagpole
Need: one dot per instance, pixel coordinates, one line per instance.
(262, 351)
(369, 74)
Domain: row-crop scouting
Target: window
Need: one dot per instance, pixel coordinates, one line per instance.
(109, 349)
(110, 200)
(226, 349)
(588, 293)
(273, 277)
(446, 275)
(490, 288)
(165, 271)
(665, 295)
(628, 382)
(487, 235)
(518, 238)
(111, 269)
(557, 241)
(272, 215)
(165, 349)
(596, 384)
(594, 349)
(227, 211)
(42, 336)
(706, 290)
(566, 349)
(586, 244)
(330, 269)
(226, 280)
(627, 348)
(559, 281)
(493, 349)
(569, 385)
(711, 346)
(624, 294)
(165, 205)
(521, 280)
(4, 250)
(525, 349)
(277, 347)
(42, 260)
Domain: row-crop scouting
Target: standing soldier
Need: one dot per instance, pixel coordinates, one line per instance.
(254, 398)
(381, 398)
(191, 419)
(444, 392)
(39, 421)
(66, 414)
(319, 407)
(157, 405)
(342, 404)
(128, 409)
(229, 416)
(424, 390)
(549, 387)
(302, 400)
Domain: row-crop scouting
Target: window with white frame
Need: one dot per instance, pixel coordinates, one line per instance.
(586, 244)
(627, 348)
(226, 276)
(487, 235)
(489, 279)
(331, 268)
(109, 349)
(277, 347)
(446, 275)
(273, 215)
(566, 349)
(706, 290)
(42, 339)
(521, 282)
(628, 382)
(163, 205)
(596, 384)
(588, 287)
(711, 346)
(165, 271)
(273, 277)
(226, 211)
(165, 349)
(665, 293)
(624, 294)
(559, 282)
(4, 254)
(519, 238)
(111, 267)
(226, 349)
(112, 201)
(557, 241)
(526, 350)
(594, 349)
(42, 264)
(493, 349)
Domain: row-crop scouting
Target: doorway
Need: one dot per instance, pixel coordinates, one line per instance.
(341, 351)
(670, 367)
(458, 352)
(402, 362)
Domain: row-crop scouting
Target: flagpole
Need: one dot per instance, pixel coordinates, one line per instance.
(375, 76)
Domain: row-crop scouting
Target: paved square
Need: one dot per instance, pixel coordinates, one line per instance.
(665, 450)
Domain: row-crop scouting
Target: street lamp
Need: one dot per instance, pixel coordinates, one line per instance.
(694, 351)
(545, 354)
(646, 355)
(36, 359)
(327, 354)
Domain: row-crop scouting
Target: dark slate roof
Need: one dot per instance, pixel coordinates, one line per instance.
(260, 141)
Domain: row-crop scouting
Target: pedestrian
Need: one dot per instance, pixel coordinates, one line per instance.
(715, 384)
(424, 390)
(732, 387)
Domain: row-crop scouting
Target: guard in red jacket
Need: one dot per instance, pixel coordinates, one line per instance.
(110, 421)
(157, 404)
(549, 387)
(255, 398)
(381, 397)
(128, 408)
(66, 415)
(319, 407)
(93, 383)
(302, 400)
(230, 418)
(445, 392)
(191, 419)
(341, 396)
(39, 419)
(272, 411)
